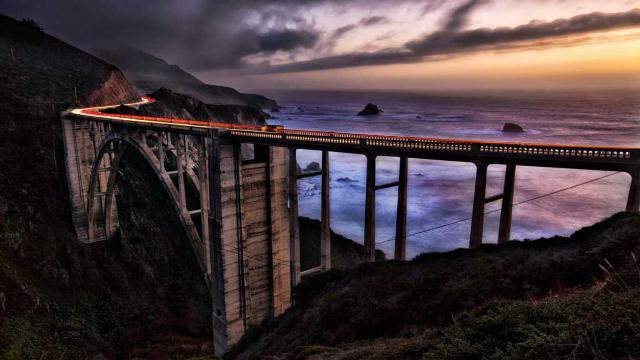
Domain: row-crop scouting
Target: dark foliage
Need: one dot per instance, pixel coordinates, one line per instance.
(392, 299)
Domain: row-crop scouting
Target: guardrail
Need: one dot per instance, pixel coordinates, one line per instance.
(471, 147)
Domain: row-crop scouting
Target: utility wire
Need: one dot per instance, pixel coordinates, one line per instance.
(262, 258)
(513, 205)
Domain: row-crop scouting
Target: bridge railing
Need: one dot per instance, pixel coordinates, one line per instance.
(402, 143)
(471, 147)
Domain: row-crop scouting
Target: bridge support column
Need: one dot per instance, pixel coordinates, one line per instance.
(401, 212)
(249, 238)
(504, 232)
(325, 226)
(203, 173)
(477, 216)
(227, 311)
(370, 210)
(161, 154)
(294, 227)
(182, 153)
(633, 200)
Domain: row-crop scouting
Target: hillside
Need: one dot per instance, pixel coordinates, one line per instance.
(149, 73)
(574, 297)
(345, 253)
(60, 298)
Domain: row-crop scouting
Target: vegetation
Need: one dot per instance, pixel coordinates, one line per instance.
(545, 298)
(60, 298)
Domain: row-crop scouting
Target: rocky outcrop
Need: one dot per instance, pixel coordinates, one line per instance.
(261, 102)
(346, 180)
(370, 109)
(312, 166)
(149, 73)
(172, 104)
(512, 127)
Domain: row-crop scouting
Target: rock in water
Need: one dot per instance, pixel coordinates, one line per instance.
(312, 166)
(346, 180)
(511, 127)
(370, 109)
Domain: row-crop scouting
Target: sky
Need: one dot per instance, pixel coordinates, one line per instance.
(362, 44)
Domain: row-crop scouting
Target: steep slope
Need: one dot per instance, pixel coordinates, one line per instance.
(472, 303)
(345, 253)
(149, 73)
(173, 105)
(60, 298)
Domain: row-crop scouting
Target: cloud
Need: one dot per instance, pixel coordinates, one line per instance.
(287, 39)
(365, 22)
(343, 30)
(196, 34)
(459, 17)
(449, 43)
(373, 20)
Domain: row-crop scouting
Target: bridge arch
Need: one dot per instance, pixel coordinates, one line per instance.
(101, 209)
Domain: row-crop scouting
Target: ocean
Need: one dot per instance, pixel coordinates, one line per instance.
(441, 192)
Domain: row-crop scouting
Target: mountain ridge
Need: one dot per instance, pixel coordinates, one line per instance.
(148, 73)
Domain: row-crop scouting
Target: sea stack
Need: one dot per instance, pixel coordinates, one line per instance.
(512, 128)
(370, 109)
(312, 166)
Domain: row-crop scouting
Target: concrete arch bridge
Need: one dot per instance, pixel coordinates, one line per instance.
(243, 228)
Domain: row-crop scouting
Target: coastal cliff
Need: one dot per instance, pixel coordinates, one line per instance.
(175, 105)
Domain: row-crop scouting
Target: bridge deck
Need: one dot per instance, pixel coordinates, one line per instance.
(618, 158)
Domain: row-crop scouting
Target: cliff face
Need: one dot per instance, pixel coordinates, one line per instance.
(173, 105)
(43, 72)
(515, 300)
(60, 298)
(149, 73)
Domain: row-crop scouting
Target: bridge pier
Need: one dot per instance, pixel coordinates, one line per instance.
(249, 238)
(477, 215)
(480, 199)
(400, 252)
(294, 227)
(504, 232)
(633, 200)
(325, 224)
(370, 210)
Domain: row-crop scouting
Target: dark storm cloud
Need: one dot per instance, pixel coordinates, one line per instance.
(450, 43)
(286, 40)
(197, 34)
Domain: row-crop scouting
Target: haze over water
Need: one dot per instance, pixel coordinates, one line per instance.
(442, 192)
